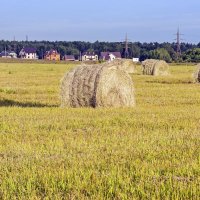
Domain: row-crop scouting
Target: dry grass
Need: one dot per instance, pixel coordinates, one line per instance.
(147, 152)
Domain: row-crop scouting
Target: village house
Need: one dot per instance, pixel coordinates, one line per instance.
(5, 54)
(28, 53)
(69, 58)
(110, 56)
(12, 54)
(89, 56)
(52, 55)
(8, 54)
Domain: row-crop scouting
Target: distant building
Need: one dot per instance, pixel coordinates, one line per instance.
(89, 56)
(136, 60)
(109, 56)
(12, 54)
(69, 58)
(52, 55)
(5, 54)
(28, 53)
(8, 54)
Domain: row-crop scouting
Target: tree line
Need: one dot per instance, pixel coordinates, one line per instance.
(165, 51)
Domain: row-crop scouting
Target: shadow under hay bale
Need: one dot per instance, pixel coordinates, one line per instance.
(155, 67)
(11, 103)
(97, 86)
(197, 74)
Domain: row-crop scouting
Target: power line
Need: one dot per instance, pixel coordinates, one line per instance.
(126, 53)
(178, 43)
(126, 48)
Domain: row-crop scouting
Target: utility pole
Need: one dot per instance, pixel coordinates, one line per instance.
(42, 55)
(178, 43)
(14, 44)
(26, 38)
(80, 56)
(126, 52)
(5, 52)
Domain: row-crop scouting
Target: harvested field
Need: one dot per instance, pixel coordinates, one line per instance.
(150, 151)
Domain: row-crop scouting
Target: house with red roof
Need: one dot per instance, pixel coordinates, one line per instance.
(52, 55)
(69, 58)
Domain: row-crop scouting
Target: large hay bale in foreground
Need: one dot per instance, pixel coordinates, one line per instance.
(126, 65)
(197, 74)
(155, 67)
(97, 86)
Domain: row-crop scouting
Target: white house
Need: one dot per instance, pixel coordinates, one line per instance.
(28, 53)
(12, 54)
(89, 56)
(110, 56)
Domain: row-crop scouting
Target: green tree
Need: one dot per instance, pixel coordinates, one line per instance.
(161, 54)
(192, 55)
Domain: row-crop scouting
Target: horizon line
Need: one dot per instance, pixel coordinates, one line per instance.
(95, 41)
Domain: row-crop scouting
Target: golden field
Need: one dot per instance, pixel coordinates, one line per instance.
(151, 151)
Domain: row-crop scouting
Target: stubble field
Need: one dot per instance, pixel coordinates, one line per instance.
(151, 151)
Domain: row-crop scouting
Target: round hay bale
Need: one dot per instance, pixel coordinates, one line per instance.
(197, 74)
(155, 67)
(126, 65)
(97, 86)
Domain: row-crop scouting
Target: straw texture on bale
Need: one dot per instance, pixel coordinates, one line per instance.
(97, 86)
(155, 67)
(197, 74)
(126, 65)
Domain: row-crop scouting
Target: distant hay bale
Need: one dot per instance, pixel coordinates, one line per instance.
(97, 86)
(126, 65)
(155, 67)
(197, 74)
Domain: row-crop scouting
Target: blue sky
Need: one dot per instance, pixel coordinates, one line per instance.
(104, 20)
